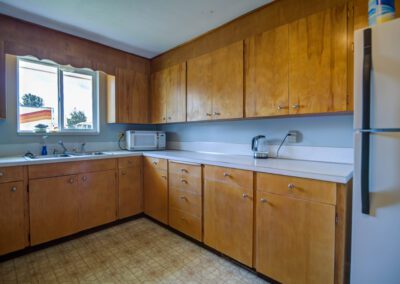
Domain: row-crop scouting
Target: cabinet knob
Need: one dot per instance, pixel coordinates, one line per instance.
(169, 118)
(296, 106)
(263, 200)
(84, 178)
(164, 177)
(217, 113)
(163, 118)
(71, 180)
(282, 107)
(245, 195)
(123, 173)
(184, 171)
(209, 114)
(182, 197)
(184, 181)
(13, 189)
(227, 175)
(155, 163)
(1, 174)
(291, 186)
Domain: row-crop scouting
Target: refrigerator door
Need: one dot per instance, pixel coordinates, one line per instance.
(375, 254)
(385, 76)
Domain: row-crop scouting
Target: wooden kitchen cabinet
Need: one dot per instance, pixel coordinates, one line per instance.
(215, 84)
(168, 95)
(267, 73)
(296, 229)
(130, 180)
(185, 198)
(97, 195)
(156, 188)
(131, 97)
(13, 233)
(228, 212)
(53, 208)
(318, 62)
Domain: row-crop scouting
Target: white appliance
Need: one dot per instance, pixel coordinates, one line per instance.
(375, 250)
(145, 140)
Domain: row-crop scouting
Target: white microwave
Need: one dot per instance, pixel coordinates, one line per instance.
(145, 140)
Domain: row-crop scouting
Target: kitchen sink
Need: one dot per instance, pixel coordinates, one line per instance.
(47, 157)
(87, 154)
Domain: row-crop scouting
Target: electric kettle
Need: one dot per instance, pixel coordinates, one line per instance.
(259, 145)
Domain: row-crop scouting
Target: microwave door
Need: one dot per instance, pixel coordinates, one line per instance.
(145, 141)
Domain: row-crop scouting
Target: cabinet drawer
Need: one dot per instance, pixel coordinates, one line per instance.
(157, 163)
(185, 183)
(307, 189)
(9, 174)
(186, 223)
(231, 177)
(185, 201)
(129, 162)
(185, 170)
(70, 168)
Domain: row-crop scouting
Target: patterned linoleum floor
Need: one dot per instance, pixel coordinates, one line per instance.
(138, 251)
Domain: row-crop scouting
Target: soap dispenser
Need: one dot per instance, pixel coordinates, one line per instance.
(44, 146)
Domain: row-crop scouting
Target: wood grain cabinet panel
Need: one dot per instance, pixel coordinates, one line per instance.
(97, 195)
(132, 96)
(267, 73)
(295, 239)
(155, 189)
(53, 208)
(8, 174)
(318, 62)
(130, 194)
(215, 84)
(13, 234)
(228, 213)
(168, 100)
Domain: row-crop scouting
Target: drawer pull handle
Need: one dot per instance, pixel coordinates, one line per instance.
(209, 114)
(296, 106)
(13, 189)
(263, 200)
(155, 163)
(291, 186)
(123, 173)
(184, 171)
(71, 180)
(245, 195)
(164, 177)
(130, 162)
(184, 181)
(183, 197)
(227, 175)
(217, 113)
(282, 107)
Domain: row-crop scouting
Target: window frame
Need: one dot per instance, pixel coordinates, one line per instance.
(60, 71)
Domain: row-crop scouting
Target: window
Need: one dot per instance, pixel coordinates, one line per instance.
(56, 99)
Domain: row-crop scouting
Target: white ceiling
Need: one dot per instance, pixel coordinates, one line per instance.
(143, 27)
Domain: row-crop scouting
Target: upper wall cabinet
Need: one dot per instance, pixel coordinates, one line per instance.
(267, 73)
(168, 95)
(128, 96)
(318, 62)
(215, 84)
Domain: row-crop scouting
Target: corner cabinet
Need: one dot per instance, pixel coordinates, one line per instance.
(127, 97)
(215, 84)
(168, 95)
(318, 51)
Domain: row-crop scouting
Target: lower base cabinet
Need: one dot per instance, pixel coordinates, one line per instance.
(53, 208)
(228, 212)
(13, 234)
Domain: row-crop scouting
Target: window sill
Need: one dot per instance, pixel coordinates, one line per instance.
(77, 133)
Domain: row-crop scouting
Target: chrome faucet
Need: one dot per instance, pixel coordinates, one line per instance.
(61, 143)
(83, 150)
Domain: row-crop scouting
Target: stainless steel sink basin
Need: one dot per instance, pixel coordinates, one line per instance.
(87, 154)
(48, 157)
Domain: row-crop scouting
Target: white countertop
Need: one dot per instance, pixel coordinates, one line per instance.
(333, 172)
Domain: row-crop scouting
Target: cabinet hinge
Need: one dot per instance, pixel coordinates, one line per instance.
(336, 219)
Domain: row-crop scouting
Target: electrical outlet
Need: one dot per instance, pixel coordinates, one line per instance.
(294, 136)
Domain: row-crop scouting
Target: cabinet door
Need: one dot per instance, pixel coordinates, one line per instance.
(318, 62)
(155, 191)
(228, 212)
(267, 73)
(295, 239)
(132, 96)
(199, 88)
(158, 96)
(176, 93)
(227, 74)
(97, 199)
(13, 235)
(130, 193)
(53, 208)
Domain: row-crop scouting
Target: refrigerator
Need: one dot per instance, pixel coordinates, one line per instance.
(375, 251)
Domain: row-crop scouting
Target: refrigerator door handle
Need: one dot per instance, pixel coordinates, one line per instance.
(366, 113)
